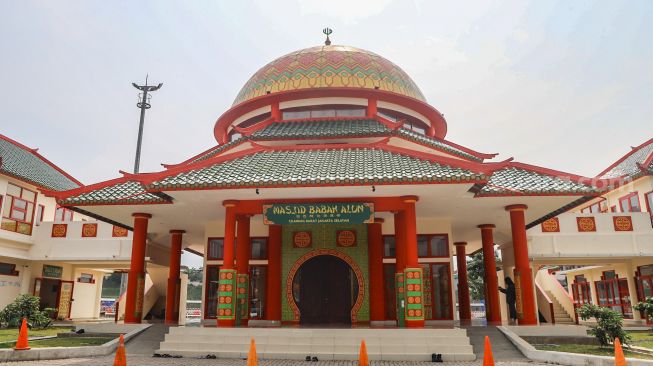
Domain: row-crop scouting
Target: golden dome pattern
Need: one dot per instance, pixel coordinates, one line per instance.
(329, 67)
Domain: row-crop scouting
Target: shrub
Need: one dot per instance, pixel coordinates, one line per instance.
(609, 324)
(26, 306)
(646, 307)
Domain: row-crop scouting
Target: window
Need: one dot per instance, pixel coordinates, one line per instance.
(211, 295)
(62, 214)
(323, 113)
(18, 210)
(630, 203)
(39, 215)
(86, 278)
(257, 289)
(215, 249)
(389, 246)
(595, 208)
(8, 269)
(428, 246)
(259, 248)
(649, 204)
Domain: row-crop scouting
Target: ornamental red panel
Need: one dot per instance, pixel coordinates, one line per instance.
(346, 238)
(586, 224)
(59, 230)
(89, 230)
(551, 225)
(302, 239)
(119, 232)
(622, 223)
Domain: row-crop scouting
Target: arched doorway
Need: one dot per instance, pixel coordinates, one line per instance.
(325, 289)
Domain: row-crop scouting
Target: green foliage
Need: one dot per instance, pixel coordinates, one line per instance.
(26, 306)
(194, 274)
(476, 275)
(646, 307)
(609, 324)
(194, 292)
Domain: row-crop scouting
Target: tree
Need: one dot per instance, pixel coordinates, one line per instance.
(194, 274)
(26, 306)
(609, 324)
(476, 274)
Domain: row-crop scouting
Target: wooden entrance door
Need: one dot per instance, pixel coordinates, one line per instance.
(65, 301)
(326, 290)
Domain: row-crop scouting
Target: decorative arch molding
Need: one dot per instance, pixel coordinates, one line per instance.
(315, 253)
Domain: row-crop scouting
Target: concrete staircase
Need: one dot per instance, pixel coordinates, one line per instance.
(559, 312)
(325, 344)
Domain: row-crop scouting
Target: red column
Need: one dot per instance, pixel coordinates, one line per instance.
(228, 253)
(275, 112)
(491, 280)
(243, 250)
(243, 245)
(273, 295)
(410, 234)
(172, 292)
(400, 241)
(410, 231)
(371, 107)
(229, 234)
(464, 306)
(523, 274)
(136, 278)
(375, 257)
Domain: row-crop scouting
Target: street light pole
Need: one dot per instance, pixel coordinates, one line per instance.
(143, 104)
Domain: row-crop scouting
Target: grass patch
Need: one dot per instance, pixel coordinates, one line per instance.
(12, 334)
(64, 342)
(587, 349)
(641, 339)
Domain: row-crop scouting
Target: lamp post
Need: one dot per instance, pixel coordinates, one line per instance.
(143, 104)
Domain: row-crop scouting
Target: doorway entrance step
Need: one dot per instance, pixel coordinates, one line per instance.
(325, 344)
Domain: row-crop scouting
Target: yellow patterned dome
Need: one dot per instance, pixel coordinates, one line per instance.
(329, 67)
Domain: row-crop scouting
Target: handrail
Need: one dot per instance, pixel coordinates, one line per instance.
(546, 297)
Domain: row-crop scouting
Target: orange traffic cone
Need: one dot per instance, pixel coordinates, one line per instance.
(488, 358)
(619, 359)
(251, 357)
(121, 357)
(22, 344)
(363, 360)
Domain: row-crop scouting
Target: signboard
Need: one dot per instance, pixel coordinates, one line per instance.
(318, 213)
(52, 271)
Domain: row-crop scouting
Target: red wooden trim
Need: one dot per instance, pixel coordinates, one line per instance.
(433, 115)
(627, 199)
(631, 152)
(35, 153)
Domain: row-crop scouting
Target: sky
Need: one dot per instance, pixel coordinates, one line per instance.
(560, 84)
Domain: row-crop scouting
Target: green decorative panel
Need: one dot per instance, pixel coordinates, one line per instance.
(227, 295)
(400, 299)
(242, 297)
(323, 241)
(414, 294)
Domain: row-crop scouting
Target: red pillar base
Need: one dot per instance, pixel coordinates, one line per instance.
(228, 323)
(415, 323)
(529, 310)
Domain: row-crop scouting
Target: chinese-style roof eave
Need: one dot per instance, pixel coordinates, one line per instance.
(64, 179)
(643, 166)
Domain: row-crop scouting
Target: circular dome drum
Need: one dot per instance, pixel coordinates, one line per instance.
(329, 67)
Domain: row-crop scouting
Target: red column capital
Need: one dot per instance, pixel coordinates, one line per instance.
(177, 231)
(141, 215)
(378, 220)
(461, 243)
(229, 203)
(409, 199)
(518, 207)
(486, 226)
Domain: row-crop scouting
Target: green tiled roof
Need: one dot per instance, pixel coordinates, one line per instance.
(629, 166)
(124, 192)
(322, 129)
(28, 166)
(307, 167)
(520, 181)
(412, 135)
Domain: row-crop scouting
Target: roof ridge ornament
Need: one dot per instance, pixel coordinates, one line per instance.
(327, 31)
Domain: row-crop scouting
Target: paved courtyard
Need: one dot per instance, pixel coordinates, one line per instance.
(147, 361)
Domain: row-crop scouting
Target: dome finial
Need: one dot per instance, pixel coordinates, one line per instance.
(327, 31)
